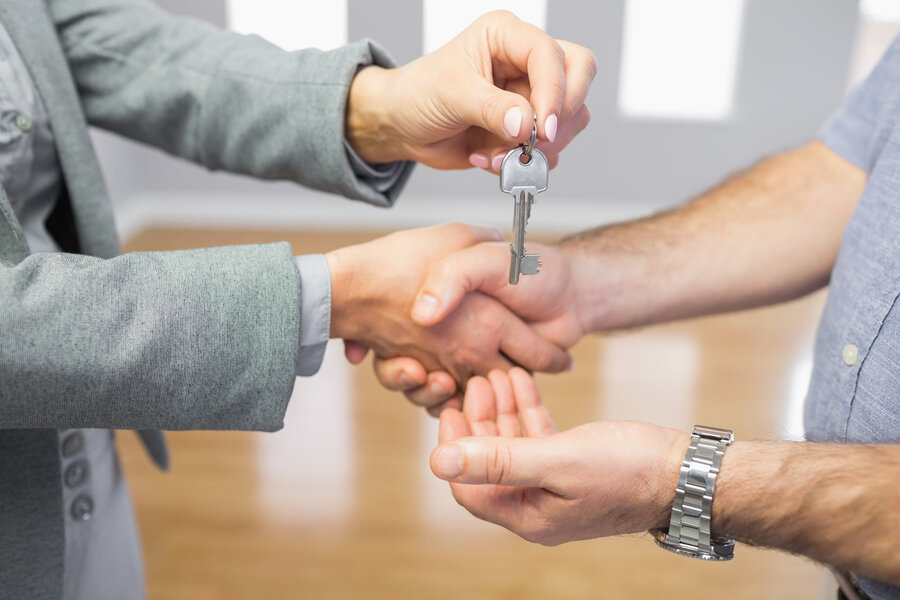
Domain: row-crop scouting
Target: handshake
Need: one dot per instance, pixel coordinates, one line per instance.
(449, 331)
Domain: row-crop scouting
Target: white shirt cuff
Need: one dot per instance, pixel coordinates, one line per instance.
(315, 312)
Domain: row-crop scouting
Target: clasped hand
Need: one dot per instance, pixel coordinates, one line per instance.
(373, 289)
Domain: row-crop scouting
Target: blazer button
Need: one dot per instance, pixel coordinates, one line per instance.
(76, 473)
(24, 122)
(73, 444)
(82, 508)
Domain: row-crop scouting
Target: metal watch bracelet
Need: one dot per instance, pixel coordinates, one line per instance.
(689, 528)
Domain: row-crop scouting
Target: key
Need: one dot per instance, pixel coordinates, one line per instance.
(523, 181)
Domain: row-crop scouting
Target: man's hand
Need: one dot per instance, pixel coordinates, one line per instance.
(373, 287)
(471, 100)
(834, 503)
(596, 480)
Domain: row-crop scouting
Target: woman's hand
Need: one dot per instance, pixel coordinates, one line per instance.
(473, 99)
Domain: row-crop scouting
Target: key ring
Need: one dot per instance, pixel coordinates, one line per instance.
(526, 153)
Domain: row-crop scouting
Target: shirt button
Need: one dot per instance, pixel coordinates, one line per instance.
(82, 508)
(850, 354)
(73, 444)
(24, 122)
(76, 473)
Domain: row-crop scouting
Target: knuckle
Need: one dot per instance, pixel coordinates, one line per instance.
(538, 530)
(500, 16)
(466, 358)
(590, 60)
(557, 50)
(448, 271)
(586, 116)
(490, 107)
(498, 464)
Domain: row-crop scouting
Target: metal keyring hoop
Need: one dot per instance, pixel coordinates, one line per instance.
(533, 139)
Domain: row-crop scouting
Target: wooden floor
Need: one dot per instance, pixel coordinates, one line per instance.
(341, 504)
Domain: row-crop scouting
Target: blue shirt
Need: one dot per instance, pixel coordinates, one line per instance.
(854, 394)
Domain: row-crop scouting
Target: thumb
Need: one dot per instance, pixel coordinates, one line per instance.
(494, 460)
(505, 114)
(484, 267)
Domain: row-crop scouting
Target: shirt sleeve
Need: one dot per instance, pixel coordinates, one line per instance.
(315, 312)
(860, 128)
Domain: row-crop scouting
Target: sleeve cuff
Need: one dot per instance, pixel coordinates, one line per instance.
(381, 178)
(315, 312)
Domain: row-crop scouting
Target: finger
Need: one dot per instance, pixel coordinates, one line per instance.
(495, 460)
(505, 402)
(439, 387)
(522, 345)
(452, 426)
(483, 267)
(435, 411)
(531, 51)
(535, 417)
(400, 374)
(355, 352)
(567, 132)
(505, 114)
(484, 233)
(479, 407)
(581, 68)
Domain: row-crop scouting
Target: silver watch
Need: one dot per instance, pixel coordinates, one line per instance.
(689, 528)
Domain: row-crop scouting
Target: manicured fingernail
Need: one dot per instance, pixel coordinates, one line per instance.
(571, 365)
(479, 160)
(498, 160)
(406, 380)
(426, 307)
(449, 461)
(512, 122)
(550, 127)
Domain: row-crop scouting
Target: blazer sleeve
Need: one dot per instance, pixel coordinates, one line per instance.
(196, 339)
(224, 100)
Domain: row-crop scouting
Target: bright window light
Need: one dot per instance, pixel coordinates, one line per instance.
(679, 59)
(292, 25)
(443, 20)
(880, 10)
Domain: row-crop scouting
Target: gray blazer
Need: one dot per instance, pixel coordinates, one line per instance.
(199, 339)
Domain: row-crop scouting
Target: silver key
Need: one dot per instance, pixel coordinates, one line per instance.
(523, 181)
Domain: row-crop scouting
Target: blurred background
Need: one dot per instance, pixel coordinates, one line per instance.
(340, 504)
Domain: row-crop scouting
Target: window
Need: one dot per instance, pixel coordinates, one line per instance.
(679, 58)
(443, 20)
(292, 25)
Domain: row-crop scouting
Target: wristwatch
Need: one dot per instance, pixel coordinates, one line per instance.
(689, 528)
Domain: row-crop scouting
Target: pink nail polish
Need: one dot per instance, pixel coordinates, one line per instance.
(498, 160)
(512, 122)
(550, 126)
(476, 159)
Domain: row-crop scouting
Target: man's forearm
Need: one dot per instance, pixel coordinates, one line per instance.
(836, 503)
(766, 235)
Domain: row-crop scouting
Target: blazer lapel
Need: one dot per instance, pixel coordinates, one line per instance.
(31, 28)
